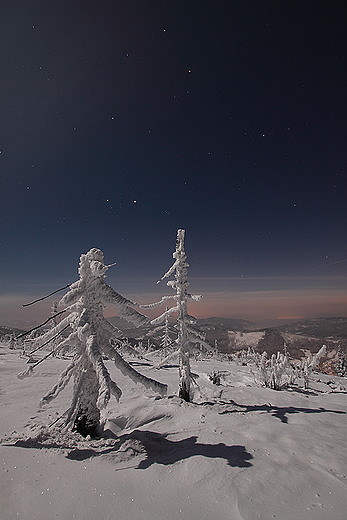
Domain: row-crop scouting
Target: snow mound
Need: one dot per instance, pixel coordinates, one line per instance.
(75, 447)
(137, 416)
(43, 437)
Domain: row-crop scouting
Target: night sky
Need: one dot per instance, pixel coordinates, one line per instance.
(122, 121)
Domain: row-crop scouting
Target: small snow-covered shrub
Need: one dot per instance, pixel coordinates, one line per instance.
(215, 377)
(275, 373)
(306, 367)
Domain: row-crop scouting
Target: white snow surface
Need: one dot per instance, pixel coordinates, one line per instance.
(237, 452)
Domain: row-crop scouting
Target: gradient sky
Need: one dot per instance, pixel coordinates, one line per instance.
(122, 121)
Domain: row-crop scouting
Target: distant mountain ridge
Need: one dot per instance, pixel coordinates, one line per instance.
(298, 337)
(231, 323)
(318, 327)
(231, 335)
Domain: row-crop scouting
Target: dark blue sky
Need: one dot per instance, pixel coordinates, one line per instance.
(122, 121)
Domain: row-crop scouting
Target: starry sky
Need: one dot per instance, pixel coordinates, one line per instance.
(122, 121)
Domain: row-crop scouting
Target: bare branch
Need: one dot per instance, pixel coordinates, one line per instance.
(41, 325)
(48, 295)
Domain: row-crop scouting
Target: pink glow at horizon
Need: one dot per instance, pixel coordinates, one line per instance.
(278, 305)
(260, 307)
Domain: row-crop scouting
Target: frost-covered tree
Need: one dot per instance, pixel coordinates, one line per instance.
(54, 310)
(54, 321)
(186, 333)
(341, 363)
(166, 340)
(90, 339)
(310, 363)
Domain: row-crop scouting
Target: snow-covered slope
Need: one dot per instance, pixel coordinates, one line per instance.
(237, 452)
(243, 340)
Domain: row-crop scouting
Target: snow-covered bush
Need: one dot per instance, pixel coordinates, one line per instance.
(309, 364)
(90, 339)
(248, 357)
(215, 377)
(276, 372)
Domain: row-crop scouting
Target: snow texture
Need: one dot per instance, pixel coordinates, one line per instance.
(237, 451)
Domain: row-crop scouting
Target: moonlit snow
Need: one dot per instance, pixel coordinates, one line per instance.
(238, 451)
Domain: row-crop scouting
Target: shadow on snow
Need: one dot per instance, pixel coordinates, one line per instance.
(276, 411)
(158, 449)
(153, 447)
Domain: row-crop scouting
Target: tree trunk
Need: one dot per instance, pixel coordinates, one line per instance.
(87, 420)
(183, 392)
(184, 378)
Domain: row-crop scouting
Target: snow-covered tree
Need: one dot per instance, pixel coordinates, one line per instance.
(186, 333)
(166, 340)
(90, 338)
(341, 364)
(310, 363)
(54, 310)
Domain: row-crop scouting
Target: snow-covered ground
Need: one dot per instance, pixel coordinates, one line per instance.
(237, 452)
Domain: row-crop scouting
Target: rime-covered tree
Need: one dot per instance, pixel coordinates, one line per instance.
(341, 363)
(54, 310)
(166, 340)
(309, 364)
(186, 333)
(90, 338)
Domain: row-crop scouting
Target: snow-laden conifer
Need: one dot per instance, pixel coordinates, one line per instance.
(341, 364)
(186, 333)
(309, 364)
(89, 339)
(166, 340)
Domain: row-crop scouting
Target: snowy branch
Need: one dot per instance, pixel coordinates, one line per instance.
(156, 304)
(128, 370)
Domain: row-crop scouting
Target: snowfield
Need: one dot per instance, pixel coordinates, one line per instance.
(245, 339)
(237, 452)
